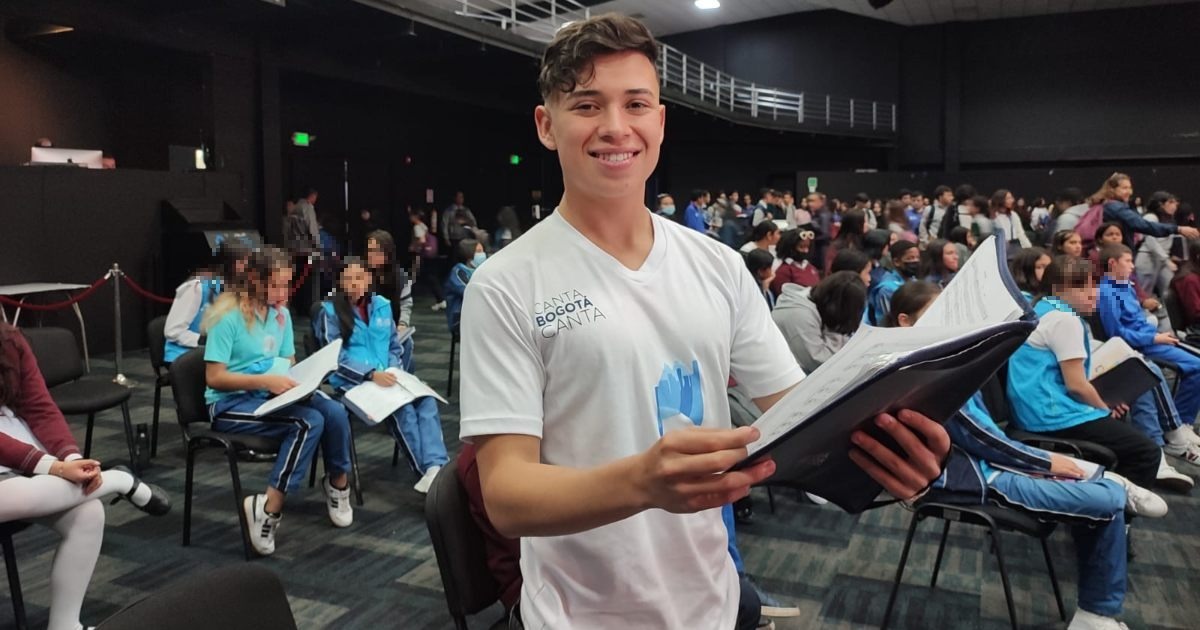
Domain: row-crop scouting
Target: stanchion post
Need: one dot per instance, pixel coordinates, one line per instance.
(117, 274)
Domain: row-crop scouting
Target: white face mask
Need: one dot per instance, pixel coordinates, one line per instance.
(479, 258)
(668, 210)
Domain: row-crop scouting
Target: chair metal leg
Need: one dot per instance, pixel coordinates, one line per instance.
(1062, 611)
(996, 549)
(771, 499)
(312, 469)
(450, 376)
(937, 563)
(187, 494)
(154, 423)
(130, 440)
(14, 583)
(231, 455)
(395, 454)
(87, 438)
(354, 480)
(912, 530)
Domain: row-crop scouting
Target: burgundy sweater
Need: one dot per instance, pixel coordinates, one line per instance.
(32, 403)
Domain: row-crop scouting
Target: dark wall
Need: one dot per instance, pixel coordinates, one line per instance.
(827, 52)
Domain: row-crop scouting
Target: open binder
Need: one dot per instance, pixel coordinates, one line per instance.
(1120, 374)
(964, 337)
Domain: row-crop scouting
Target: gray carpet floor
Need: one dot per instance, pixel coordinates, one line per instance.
(381, 572)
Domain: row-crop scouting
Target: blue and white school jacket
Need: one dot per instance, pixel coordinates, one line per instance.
(210, 288)
(374, 344)
(1036, 388)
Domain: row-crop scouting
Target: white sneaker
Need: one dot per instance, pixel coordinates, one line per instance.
(1084, 620)
(1186, 451)
(1172, 479)
(1139, 500)
(1189, 432)
(337, 502)
(816, 499)
(440, 306)
(427, 480)
(262, 525)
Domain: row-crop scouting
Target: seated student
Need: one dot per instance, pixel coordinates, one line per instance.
(1186, 286)
(856, 261)
(1067, 243)
(370, 345)
(850, 236)
(249, 350)
(764, 236)
(760, 264)
(1048, 386)
(1152, 264)
(965, 240)
(906, 257)
(390, 280)
(818, 322)
(973, 475)
(193, 297)
(1110, 234)
(1123, 317)
(794, 252)
(44, 479)
(941, 262)
(468, 255)
(1028, 268)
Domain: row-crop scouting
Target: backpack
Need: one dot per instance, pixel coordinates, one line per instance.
(1088, 224)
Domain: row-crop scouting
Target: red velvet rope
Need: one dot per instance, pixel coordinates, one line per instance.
(138, 289)
(299, 282)
(7, 301)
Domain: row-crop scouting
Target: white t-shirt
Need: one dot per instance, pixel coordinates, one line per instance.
(419, 232)
(1062, 334)
(563, 342)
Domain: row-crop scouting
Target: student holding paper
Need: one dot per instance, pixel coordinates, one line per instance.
(987, 467)
(370, 346)
(249, 351)
(1048, 384)
(601, 423)
(194, 296)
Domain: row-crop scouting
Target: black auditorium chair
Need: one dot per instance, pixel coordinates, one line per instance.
(235, 597)
(459, 546)
(14, 578)
(74, 392)
(156, 334)
(187, 384)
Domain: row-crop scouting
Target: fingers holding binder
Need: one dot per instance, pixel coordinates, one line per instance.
(682, 472)
(925, 444)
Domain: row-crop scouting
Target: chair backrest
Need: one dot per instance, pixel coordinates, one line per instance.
(57, 354)
(156, 332)
(995, 398)
(235, 597)
(187, 386)
(1174, 310)
(459, 546)
(1096, 327)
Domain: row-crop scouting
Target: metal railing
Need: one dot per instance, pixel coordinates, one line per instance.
(694, 83)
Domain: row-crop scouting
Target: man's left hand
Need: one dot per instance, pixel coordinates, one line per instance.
(925, 445)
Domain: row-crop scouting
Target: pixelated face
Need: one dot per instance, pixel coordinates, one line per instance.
(1039, 267)
(608, 131)
(279, 285)
(1111, 235)
(376, 257)
(950, 256)
(1082, 299)
(355, 281)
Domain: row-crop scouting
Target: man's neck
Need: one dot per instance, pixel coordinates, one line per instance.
(621, 227)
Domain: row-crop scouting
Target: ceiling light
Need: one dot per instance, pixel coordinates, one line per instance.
(708, 4)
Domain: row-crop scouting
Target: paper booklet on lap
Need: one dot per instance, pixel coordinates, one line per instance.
(964, 337)
(1091, 471)
(373, 402)
(308, 374)
(1119, 374)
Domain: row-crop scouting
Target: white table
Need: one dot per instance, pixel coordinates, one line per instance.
(21, 291)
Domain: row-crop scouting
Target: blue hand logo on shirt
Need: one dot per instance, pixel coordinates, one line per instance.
(680, 397)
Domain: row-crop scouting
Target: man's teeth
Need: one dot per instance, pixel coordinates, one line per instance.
(615, 157)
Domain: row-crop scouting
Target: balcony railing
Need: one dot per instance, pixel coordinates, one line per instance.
(692, 82)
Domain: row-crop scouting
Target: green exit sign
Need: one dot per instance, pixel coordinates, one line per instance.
(302, 138)
(514, 159)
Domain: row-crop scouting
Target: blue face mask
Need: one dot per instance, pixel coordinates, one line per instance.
(479, 258)
(668, 210)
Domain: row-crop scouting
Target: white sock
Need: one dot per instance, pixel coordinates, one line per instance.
(120, 482)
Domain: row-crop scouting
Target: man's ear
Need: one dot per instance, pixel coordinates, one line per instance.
(541, 119)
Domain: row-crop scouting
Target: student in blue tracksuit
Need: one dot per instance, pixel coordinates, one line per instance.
(906, 257)
(1122, 316)
(1047, 376)
(468, 255)
(985, 466)
(371, 345)
(249, 350)
(194, 296)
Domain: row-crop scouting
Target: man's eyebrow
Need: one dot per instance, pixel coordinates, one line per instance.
(597, 93)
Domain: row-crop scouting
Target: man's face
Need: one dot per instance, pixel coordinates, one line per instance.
(458, 199)
(815, 202)
(945, 198)
(906, 200)
(1121, 268)
(608, 131)
(788, 200)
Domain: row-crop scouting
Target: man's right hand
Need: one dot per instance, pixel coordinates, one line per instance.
(1167, 338)
(1189, 232)
(277, 383)
(684, 471)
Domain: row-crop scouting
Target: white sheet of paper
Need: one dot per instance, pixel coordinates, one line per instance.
(379, 402)
(308, 374)
(1109, 355)
(976, 296)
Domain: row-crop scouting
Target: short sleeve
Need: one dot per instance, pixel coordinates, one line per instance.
(287, 345)
(219, 346)
(1064, 336)
(759, 357)
(502, 372)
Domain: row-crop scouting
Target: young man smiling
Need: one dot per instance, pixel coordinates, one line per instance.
(603, 431)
